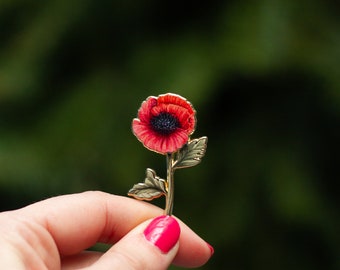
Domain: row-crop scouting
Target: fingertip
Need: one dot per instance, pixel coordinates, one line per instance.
(212, 250)
(193, 250)
(163, 232)
(153, 244)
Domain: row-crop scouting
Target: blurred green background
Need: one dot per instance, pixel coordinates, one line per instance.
(264, 77)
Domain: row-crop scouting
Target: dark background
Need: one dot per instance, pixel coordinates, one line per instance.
(263, 75)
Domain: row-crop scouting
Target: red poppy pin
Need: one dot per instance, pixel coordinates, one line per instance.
(164, 125)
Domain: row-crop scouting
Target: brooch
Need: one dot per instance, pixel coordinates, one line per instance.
(164, 125)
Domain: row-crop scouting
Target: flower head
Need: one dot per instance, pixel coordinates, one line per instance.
(164, 123)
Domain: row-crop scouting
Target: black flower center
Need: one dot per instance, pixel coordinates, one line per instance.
(164, 123)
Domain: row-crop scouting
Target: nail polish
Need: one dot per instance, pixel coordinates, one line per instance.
(163, 232)
(211, 249)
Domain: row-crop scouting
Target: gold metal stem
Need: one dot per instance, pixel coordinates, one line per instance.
(169, 204)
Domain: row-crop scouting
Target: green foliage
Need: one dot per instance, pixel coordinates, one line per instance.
(263, 76)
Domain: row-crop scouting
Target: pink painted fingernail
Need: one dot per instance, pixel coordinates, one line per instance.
(163, 232)
(211, 249)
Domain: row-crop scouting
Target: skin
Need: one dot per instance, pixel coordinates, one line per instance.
(54, 234)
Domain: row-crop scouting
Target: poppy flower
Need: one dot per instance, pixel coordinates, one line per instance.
(164, 123)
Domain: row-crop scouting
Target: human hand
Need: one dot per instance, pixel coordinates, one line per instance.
(54, 233)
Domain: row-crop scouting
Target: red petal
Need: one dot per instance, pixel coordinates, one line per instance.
(144, 112)
(141, 131)
(154, 143)
(176, 141)
(176, 100)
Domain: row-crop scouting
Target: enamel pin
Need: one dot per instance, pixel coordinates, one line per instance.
(164, 125)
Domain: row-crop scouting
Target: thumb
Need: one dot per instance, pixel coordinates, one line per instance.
(151, 245)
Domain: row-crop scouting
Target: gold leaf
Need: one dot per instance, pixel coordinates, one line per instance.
(191, 154)
(153, 187)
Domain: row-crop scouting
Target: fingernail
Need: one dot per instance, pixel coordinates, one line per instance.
(163, 232)
(212, 251)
